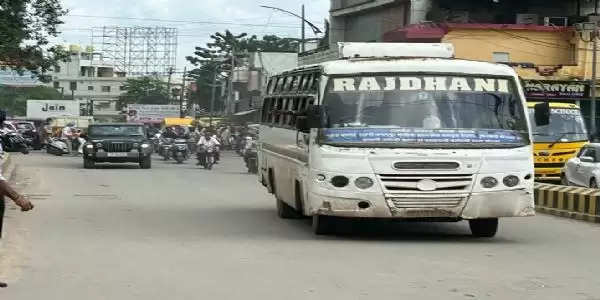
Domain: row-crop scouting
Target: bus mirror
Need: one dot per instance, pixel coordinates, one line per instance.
(542, 114)
(302, 124)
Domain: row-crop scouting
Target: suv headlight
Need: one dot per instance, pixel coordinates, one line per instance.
(89, 146)
(145, 146)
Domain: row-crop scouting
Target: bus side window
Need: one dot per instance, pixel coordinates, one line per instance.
(268, 110)
(284, 112)
(304, 84)
(273, 107)
(277, 111)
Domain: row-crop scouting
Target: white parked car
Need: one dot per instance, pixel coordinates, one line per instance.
(583, 170)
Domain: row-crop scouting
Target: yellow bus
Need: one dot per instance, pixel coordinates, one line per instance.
(557, 142)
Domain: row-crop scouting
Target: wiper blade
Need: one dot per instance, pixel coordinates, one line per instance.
(561, 137)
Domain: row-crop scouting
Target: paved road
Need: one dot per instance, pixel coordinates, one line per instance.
(178, 232)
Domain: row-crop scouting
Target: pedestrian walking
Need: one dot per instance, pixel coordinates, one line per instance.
(7, 190)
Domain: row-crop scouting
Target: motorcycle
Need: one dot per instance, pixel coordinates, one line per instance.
(164, 148)
(13, 141)
(251, 159)
(180, 151)
(206, 157)
(57, 147)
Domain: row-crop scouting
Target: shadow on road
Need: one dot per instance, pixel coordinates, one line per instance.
(263, 223)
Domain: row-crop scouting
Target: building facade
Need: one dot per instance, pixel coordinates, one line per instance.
(91, 79)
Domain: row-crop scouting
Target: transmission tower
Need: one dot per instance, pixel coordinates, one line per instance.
(137, 50)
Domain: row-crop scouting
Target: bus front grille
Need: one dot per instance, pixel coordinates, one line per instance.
(435, 183)
(400, 202)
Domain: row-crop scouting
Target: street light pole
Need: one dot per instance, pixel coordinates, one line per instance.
(593, 84)
(303, 32)
(228, 107)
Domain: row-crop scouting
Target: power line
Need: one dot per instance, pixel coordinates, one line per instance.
(185, 21)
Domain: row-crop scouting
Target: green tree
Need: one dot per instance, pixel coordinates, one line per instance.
(14, 100)
(25, 29)
(214, 60)
(145, 90)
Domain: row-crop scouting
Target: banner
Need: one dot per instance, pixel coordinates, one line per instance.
(568, 90)
(416, 135)
(146, 113)
(43, 109)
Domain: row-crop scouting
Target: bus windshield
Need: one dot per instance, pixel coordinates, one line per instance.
(436, 111)
(566, 125)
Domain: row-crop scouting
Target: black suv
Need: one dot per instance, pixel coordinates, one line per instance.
(117, 143)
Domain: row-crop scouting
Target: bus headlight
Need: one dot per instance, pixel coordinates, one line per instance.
(489, 182)
(510, 181)
(340, 181)
(363, 183)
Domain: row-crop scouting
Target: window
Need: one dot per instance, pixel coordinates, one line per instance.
(90, 87)
(122, 88)
(56, 84)
(57, 69)
(106, 89)
(279, 86)
(501, 57)
(73, 85)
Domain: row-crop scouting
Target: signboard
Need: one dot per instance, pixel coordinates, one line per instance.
(146, 113)
(568, 90)
(43, 109)
(415, 135)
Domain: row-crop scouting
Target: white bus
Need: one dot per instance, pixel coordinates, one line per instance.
(419, 136)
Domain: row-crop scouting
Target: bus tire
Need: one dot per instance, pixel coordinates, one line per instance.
(485, 228)
(285, 211)
(323, 225)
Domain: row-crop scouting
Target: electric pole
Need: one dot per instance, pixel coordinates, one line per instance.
(181, 114)
(212, 98)
(229, 109)
(169, 86)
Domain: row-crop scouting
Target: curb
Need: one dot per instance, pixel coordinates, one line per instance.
(568, 202)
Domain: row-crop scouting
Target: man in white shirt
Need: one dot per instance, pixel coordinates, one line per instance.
(207, 143)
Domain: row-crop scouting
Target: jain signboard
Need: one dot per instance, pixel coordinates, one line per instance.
(43, 109)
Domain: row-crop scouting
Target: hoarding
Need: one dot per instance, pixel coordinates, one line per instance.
(43, 109)
(146, 113)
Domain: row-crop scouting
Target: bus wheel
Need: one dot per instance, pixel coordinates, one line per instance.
(484, 227)
(323, 225)
(285, 211)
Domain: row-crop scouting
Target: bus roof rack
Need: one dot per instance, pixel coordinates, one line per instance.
(395, 50)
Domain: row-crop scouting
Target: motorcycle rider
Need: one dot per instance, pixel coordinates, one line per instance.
(68, 134)
(207, 143)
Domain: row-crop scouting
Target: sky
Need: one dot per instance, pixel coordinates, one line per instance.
(240, 16)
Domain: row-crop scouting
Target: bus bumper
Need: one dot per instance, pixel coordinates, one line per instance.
(518, 203)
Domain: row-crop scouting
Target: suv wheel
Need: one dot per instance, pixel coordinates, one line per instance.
(88, 163)
(564, 180)
(593, 184)
(146, 162)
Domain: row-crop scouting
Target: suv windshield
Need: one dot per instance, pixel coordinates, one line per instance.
(116, 130)
(566, 125)
(446, 111)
